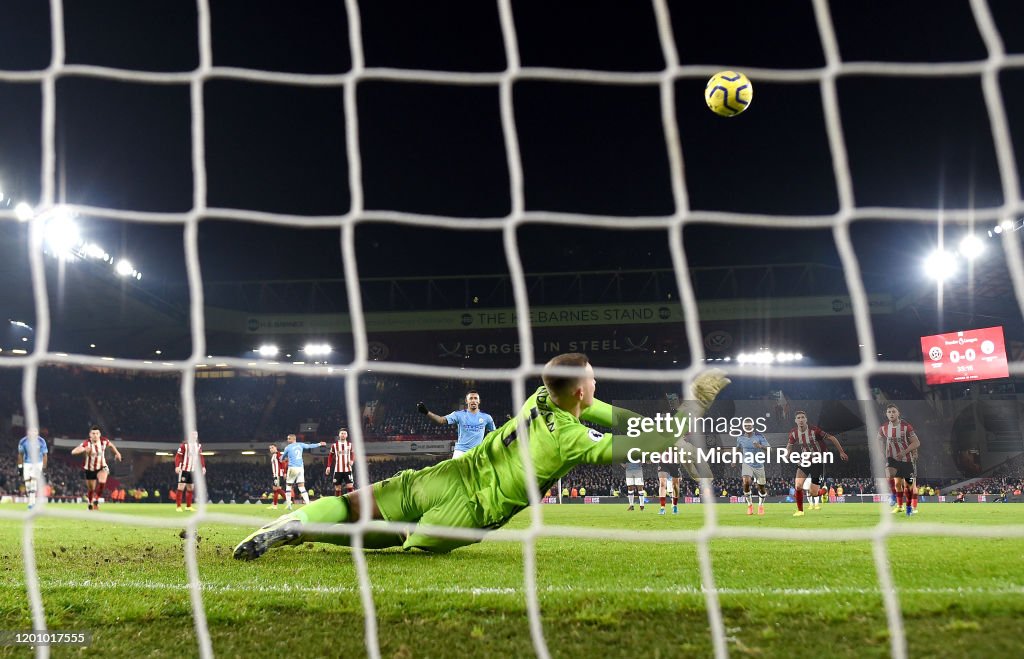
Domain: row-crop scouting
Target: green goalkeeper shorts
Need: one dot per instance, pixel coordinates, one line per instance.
(436, 496)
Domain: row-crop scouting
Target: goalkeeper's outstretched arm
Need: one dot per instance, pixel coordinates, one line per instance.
(627, 435)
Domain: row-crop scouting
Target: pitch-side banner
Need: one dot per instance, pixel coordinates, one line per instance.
(978, 354)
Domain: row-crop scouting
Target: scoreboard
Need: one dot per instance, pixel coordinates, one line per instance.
(978, 354)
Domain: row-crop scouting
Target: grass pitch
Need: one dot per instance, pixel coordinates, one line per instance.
(599, 598)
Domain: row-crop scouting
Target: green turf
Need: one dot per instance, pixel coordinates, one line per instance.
(127, 584)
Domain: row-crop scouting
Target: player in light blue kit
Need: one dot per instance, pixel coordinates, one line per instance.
(473, 424)
(296, 471)
(750, 443)
(31, 462)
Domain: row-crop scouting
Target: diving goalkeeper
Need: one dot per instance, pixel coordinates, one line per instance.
(487, 486)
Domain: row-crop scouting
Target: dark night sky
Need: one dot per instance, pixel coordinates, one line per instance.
(439, 149)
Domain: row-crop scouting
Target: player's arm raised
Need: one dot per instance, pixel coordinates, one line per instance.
(421, 407)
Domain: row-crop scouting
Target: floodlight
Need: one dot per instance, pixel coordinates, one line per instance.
(60, 233)
(23, 212)
(971, 246)
(941, 265)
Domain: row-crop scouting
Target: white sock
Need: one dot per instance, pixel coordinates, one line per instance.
(288, 497)
(305, 497)
(760, 498)
(747, 497)
(631, 498)
(32, 498)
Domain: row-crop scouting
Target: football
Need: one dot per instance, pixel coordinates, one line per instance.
(728, 93)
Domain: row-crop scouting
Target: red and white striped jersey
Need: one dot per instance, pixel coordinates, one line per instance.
(96, 458)
(810, 439)
(278, 465)
(189, 457)
(896, 437)
(340, 457)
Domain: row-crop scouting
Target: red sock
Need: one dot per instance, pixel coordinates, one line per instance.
(275, 497)
(188, 498)
(92, 492)
(800, 498)
(892, 486)
(899, 498)
(99, 490)
(662, 502)
(675, 501)
(913, 499)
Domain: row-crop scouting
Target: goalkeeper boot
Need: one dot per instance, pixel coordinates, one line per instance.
(285, 530)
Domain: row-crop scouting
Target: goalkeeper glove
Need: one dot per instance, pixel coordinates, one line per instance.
(708, 385)
(422, 408)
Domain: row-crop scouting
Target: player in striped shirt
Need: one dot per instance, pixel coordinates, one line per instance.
(341, 461)
(32, 454)
(95, 469)
(900, 443)
(487, 487)
(278, 471)
(188, 460)
(805, 438)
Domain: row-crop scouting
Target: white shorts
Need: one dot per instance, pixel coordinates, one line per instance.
(635, 477)
(457, 453)
(665, 485)
(296, 475)
(756, 473)
(30, 471)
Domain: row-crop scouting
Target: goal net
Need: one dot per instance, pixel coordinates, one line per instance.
(664, 84)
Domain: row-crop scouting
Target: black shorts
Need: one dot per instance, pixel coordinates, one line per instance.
(91, 475)
(816, 472)
(185, 477)
(279, 482)
(343, 478)
(904, 470)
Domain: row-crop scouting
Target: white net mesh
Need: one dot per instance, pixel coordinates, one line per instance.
(840, 224)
